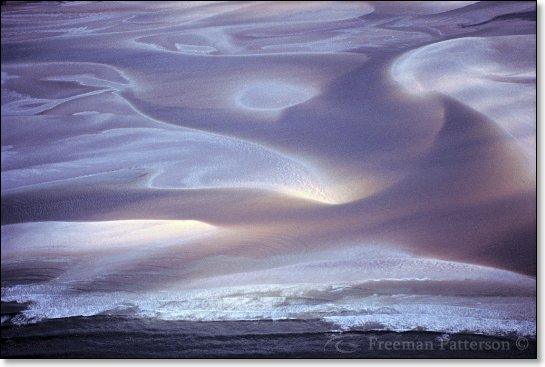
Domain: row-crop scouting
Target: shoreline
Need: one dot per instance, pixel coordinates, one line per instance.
(122, 337)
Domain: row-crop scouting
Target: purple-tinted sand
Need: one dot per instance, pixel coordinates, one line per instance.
(313, 170)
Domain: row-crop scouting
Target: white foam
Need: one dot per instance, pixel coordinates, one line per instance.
(490, 315)
(351, 287)
(399, 312)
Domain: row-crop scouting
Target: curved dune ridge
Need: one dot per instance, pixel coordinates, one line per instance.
(487, 74)
(367, 164)
(167, 163)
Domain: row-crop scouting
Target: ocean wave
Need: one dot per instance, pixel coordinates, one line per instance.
(484, 314)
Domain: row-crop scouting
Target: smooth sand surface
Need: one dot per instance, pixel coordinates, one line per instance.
(272, 160)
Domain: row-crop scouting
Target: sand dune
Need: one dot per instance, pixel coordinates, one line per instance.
(361, 162)
(487, 74)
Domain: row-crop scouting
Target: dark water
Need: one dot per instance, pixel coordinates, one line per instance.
(117, 337)
(128, 337)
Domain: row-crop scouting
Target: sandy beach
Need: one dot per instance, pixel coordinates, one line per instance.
(371, 165)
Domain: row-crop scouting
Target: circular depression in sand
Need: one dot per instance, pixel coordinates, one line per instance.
(271, 96)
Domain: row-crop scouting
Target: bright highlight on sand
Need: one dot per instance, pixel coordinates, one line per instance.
(67, 237)
(273, 96)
